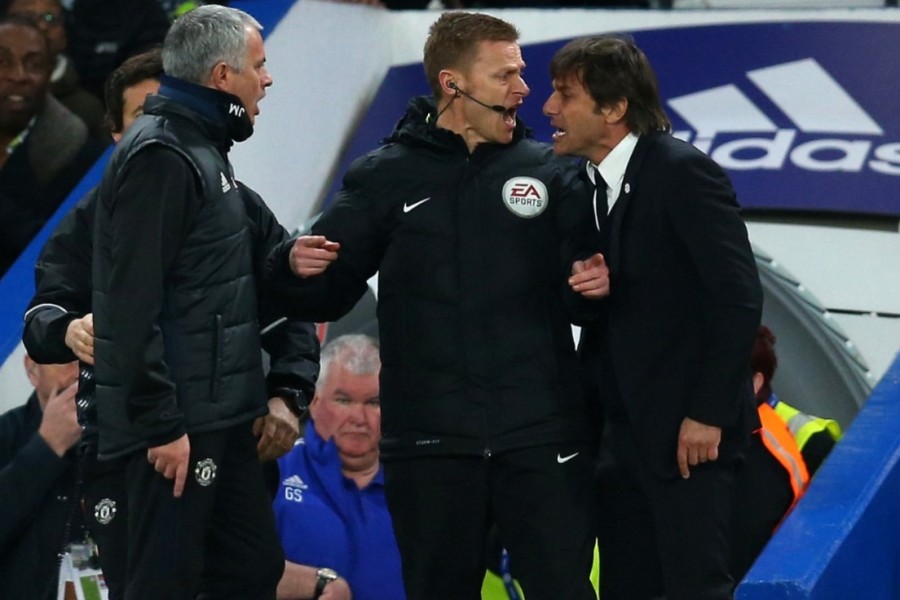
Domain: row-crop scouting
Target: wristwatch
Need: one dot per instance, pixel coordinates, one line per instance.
(324, 576)
(296, 400)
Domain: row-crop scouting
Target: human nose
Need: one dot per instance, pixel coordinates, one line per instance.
(267, 78)
(15, 70)
(357, 414)
(523, 89)
(550, 107)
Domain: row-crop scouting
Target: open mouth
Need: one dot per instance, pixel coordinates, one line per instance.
(559, 134)
(16, 99)
(509, 117)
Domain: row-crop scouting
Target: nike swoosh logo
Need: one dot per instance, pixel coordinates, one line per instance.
(563, 459)
(409, 207)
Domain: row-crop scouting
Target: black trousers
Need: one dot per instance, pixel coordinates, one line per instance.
(541, 500)
(218, 541)
(662, 537)
(106, 517)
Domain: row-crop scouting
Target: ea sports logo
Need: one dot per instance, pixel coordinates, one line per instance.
(525, 197)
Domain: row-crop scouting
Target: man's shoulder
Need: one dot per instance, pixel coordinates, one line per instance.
(294, 460)
(13, 417)
(667, 146)
(390, 155)
(17, 425)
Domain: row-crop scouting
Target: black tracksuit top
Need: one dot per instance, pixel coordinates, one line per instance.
(473, 252)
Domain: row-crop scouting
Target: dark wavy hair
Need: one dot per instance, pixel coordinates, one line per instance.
(763, 360)
(612, 67)
(146, 65)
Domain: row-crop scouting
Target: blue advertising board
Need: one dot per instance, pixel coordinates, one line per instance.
(803, 115)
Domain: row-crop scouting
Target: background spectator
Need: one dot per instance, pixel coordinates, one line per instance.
(330, 507)
(774, 474)
(815, 436)
(44, 148)
(49, 17)
(37, 482)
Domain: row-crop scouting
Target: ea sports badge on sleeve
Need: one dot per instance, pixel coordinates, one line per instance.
(525, 197)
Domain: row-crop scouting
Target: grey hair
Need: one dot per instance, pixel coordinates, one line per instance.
(357, 353)
(204, 37)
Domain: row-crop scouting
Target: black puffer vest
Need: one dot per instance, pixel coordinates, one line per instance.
(209, 316)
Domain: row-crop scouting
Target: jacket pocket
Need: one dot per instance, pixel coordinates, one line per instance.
(217, 351)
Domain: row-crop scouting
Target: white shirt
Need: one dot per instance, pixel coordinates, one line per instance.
(612, 169)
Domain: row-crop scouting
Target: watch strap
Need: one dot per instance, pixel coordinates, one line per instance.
(321, 582)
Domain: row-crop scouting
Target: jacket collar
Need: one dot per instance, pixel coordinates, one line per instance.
(222, 115)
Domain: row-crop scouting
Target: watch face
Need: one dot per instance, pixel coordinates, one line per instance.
(327, 573)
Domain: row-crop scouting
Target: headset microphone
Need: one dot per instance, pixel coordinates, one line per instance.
(494, 107)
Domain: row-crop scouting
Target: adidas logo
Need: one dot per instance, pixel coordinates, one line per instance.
(811, 99)
(226, 185)
(294, 481)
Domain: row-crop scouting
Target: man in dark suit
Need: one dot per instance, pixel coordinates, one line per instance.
(669, 360)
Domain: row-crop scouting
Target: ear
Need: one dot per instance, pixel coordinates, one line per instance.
(758, 381)
(219, 77)
(615, 112)
(31, 369)
(446, 77)
(314, 403)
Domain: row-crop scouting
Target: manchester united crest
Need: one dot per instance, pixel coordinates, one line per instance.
(105, 511)
(205, 472)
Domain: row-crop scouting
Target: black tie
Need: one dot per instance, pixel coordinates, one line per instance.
(601, 200)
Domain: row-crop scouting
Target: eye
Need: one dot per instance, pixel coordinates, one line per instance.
(35, 66)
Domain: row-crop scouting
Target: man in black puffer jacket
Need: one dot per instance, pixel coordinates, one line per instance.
(486, 250)
(177, 342)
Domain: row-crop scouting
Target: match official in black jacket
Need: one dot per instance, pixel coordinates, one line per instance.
(486, 251)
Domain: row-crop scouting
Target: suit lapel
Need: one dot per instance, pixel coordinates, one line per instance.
(630, 186)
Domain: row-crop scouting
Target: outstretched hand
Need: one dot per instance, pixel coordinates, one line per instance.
(312, 254)
(590, 277)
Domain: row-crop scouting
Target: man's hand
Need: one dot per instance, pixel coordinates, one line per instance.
(80, 338)
(590, 277)
(171, 460)
(697, 443)
(338, 589)
(312, 254)
(59, 425)
(277, 431)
